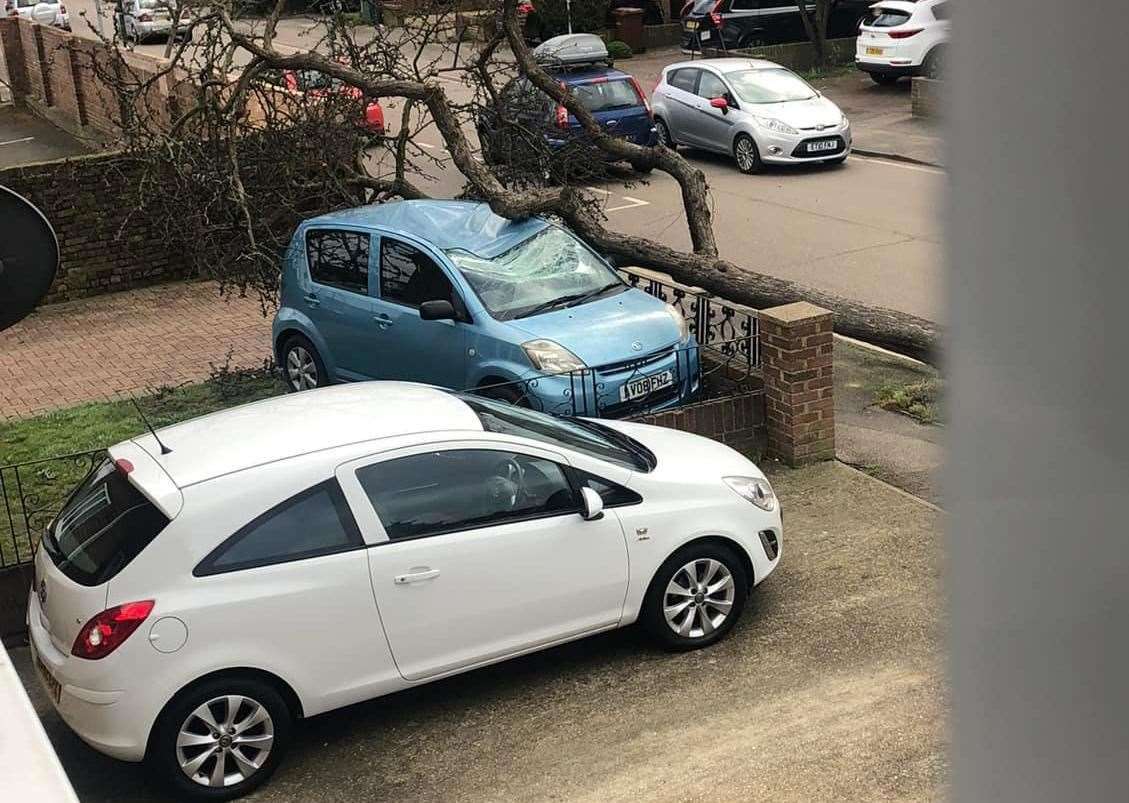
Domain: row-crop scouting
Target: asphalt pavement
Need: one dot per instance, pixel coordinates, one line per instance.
(830, 688)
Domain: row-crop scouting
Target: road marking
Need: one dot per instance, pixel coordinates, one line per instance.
(903, 165)
(599, 190)
(631, 204)
(17, 141)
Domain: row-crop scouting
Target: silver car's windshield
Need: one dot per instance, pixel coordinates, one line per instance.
(551, 269)
(769, 86)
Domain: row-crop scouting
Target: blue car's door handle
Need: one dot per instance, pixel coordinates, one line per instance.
(382, 320)
(311, 299)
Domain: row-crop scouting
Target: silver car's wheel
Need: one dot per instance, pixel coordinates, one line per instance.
(663, 132)
(225, 741)
(745, 154)
(301, 368)
(699, 598)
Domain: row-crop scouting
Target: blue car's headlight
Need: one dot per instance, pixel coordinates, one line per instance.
(551, 358)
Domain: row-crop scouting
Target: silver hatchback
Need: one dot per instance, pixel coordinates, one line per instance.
(754, 110)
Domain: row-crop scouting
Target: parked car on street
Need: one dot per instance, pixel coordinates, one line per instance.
(904, 38)
(448, 293)
(756, 111)
(531, 123)
(141, 20)
(315, 84)
(51, 12)
(731, 24)
(200, 594)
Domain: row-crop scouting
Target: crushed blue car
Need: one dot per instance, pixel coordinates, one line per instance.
(449, 293)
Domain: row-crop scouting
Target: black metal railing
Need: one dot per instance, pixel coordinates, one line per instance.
(31, 494)
(713, 321)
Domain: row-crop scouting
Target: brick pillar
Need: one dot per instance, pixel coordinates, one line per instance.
(14, 57)
(796, 351)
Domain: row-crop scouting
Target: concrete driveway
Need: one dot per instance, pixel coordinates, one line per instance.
(829, 689)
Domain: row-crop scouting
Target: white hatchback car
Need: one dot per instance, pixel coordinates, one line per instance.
(903, 38)
(298, 554)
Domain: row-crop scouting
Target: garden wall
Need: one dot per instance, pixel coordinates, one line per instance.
(799, 56)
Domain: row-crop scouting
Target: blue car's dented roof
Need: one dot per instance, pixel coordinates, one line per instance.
(467, 225)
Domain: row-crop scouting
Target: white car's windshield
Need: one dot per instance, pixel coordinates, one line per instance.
(551, 269)
(769, 86)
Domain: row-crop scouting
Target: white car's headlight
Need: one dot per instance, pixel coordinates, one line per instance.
(772, 124)
(550, 357)
(757, 491)
(844, 122)
(679, 321)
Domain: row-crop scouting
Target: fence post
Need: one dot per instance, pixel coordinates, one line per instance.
(796, 349)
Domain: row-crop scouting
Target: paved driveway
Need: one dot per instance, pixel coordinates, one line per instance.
(829, 689)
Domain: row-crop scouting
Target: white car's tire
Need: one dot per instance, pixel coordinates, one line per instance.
(221, 739)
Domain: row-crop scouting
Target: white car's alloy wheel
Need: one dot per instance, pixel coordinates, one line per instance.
(699, 598)
(225, 741)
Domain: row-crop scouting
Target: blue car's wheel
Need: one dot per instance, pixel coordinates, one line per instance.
(302, 366)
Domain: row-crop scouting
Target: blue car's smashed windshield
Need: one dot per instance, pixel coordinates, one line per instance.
(551, 269)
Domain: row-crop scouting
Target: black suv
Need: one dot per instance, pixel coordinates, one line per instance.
(730, 24)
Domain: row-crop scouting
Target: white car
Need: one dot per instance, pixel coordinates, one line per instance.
(200, 593)
(903, 38)
(754, 110)
(52, 12)
(141, 20)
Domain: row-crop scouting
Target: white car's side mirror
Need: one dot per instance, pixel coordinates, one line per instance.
(591, 505)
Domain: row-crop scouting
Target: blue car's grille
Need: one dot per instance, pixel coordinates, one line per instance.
(635, 364)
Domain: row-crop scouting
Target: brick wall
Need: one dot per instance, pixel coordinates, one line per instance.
(798, 56)
(103, 248)
(926, 97)
(663, 35)
(737, 421)
(56, 74)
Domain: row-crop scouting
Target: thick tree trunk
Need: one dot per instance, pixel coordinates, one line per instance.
(899, 331)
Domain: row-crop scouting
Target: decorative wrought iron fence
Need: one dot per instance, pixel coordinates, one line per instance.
(713, 321)
(31, 494)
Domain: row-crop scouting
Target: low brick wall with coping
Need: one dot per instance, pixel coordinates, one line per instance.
(799, 56)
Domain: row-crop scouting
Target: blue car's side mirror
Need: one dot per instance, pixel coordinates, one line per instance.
(437, 311)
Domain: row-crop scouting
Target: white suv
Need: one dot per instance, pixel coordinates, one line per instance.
(200, 593)
(904, 37)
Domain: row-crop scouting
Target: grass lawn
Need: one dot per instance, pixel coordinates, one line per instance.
(93, 426)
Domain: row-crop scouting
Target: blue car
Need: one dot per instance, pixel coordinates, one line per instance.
(448, 293)
(531, 130)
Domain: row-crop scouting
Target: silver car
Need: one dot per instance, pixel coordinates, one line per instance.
(755, 110)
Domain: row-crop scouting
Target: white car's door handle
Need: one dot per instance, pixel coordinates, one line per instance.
(416, 577)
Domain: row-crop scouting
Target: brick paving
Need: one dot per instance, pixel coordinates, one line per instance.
(110, 346)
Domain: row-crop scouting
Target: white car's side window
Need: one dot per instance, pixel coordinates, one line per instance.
(309, 524)
(463, 489)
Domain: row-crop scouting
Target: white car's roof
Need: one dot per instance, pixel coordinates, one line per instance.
(727, 64)
(299, 423)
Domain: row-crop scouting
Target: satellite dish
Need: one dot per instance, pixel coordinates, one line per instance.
(44, 13)
(29, 257)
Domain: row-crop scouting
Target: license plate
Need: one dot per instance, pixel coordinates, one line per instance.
(704, 35)
(54, 688)
(691, 25)
(823, 145)
(645, 385)
(874, 51)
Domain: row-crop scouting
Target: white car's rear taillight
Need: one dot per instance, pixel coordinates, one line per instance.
(105, 632)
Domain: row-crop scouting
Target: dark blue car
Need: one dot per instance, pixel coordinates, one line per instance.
(535, 130)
